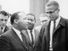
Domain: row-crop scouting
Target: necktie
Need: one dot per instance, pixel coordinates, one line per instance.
(23, 38)
(32, 36)
(52, 28)
(1, 28)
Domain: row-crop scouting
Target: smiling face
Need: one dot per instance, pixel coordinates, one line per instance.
(43, 18)
(31, 21)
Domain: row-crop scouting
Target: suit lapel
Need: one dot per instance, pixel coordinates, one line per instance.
(35, 38)
(18, 39)
(5, 29)
(61, 23)
(25, 33)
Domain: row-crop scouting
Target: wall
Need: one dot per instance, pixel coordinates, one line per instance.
(12, 6)
(37, 7)
(63, 8)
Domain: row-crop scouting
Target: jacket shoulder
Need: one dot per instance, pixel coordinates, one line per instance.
(7, 34)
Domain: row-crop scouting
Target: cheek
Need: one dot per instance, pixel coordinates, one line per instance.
(22, 25)
(53, 15)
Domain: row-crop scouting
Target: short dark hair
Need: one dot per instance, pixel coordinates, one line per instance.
(14, 16)
(54, 3)
(4, 13)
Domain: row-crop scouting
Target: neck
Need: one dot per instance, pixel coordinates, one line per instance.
(30, 29)
(16, 27)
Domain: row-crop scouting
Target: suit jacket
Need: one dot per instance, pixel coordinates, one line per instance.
(10, 41)
(60, 37)
(36, 33)
(38, 28)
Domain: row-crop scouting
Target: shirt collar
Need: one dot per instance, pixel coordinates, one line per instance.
(17, 31)
(57, 21)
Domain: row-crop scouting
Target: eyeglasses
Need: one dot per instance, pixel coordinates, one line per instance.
(50, 12)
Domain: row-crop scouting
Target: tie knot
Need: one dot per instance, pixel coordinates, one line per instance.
(54, 21)
(21, 32)
(31, 31)
(1, 27)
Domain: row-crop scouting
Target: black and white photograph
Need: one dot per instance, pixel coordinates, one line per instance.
(33, 25)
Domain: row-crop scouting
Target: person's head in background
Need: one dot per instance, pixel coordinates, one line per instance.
(43, 18)
(18, 21)
(52, 10)
(31, 20)
(3, 18)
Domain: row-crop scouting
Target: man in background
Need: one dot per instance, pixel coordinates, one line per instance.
(3, 21)
(43, 20)
(32, 32)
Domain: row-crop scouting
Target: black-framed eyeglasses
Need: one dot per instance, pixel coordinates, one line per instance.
(50, 12)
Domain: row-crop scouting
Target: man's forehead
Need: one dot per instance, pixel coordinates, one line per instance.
(52, 5)
(21, 14)
(30, 17)
(50, 8)
(3, 17)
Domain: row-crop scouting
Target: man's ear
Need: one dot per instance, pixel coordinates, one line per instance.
(58, 10)
(16, 21)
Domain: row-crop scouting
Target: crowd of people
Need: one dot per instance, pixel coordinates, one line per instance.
(22, 35)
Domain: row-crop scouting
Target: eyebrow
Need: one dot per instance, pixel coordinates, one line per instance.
(44, 20)
(31, 19)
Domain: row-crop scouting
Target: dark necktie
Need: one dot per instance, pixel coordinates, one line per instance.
(32, 36)
(1, 28)
(24, 40)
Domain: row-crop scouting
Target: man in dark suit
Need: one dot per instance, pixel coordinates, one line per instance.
(32, 32)
(3, 21)
(15, 39)
(54, 36)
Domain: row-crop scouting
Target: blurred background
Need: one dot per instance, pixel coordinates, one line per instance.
(34, 6)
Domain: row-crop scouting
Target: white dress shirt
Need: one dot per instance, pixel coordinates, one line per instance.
(18, 33)
(51, 31)
(33, 33)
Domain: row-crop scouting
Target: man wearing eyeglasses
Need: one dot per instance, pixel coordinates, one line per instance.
(3, 20)
(54, 36)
